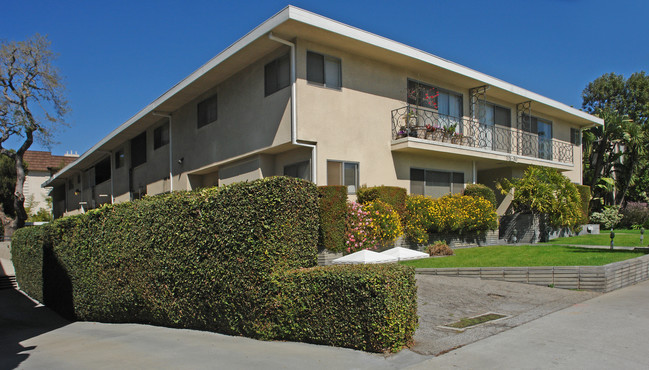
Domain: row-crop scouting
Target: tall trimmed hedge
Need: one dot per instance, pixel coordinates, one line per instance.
(214, 259)
(333, 214)
(378, 302)
(584, 193)
(392, 195)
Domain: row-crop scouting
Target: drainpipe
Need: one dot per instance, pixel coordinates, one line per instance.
(294, 106)
(475, 173)
(171, 161)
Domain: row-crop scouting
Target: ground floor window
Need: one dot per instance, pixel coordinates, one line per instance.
(343, 173)
(435, 183)
(301, 170)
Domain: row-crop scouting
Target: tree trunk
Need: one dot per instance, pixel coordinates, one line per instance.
(19, 196)
(6, 222)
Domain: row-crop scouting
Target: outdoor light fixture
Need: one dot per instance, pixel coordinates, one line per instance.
(181, 160)
(77, 192)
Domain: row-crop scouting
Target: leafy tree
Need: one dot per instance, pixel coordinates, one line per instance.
(616, 152)
(613, 92)
(32, 105)
(545, 190)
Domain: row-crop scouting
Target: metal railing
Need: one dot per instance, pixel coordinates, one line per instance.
(427, 124)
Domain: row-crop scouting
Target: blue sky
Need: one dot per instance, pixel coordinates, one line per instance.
(118, 56)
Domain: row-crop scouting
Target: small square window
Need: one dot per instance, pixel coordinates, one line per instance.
(161, 136)
(277, 75)
(119, 158)
(207, 111)
(575, 136)
(343, 173)
(324, 70)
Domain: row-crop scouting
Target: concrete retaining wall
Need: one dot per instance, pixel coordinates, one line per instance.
(596, 278)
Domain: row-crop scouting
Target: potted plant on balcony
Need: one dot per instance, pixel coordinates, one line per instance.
(457, 138)
(402, 132)
(430, 130)
(449, 131)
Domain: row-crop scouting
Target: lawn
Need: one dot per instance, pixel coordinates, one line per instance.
(526, 255)
(623, 238)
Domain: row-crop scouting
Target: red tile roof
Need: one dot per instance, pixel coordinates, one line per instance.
(43, 161)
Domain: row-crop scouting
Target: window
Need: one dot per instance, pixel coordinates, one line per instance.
(102, 171)
(446, 102)
(277, 75)
(538, 143)
(491, 114)
(575, 136)
(206, 111)
(343, 173)
(301, 170)
(435, 183)
(138, 150)
(323, 70)
(161, 136)
(119, 158)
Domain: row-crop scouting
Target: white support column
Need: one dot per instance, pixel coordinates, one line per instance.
(474, 174)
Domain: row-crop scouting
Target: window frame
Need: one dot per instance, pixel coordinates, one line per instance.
(439, 90)
(159, 139)
(325, 57)
(342, 174)
(133, 156)
(120, 158)
(207, 104)
(575, 136)
(277, 64)
(451, 177)
(494, 106)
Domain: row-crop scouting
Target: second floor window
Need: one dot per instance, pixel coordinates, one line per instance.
(491, 114)
(323, 70)
(119, 158)
(445, 102)
(206, 111)
(277, 75)
(161, 136)
(138, 150)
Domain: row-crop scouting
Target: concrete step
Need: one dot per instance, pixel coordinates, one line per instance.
(8, 282)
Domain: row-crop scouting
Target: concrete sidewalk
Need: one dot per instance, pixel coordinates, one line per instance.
(607, 332)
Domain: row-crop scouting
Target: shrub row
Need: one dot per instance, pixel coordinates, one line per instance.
(392, 195)
(214, 259)
(451, 213)
(482, 191)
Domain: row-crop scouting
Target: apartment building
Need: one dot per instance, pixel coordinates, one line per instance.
(306, 96)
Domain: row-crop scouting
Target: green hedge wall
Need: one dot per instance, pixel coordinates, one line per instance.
(483, 191)
(392, 195)
(212, 259)
(378, 302)
(333, 214)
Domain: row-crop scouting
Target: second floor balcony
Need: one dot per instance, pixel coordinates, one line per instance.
(428, 124)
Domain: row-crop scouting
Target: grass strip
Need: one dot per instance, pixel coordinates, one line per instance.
(524, 256)
(473, 321)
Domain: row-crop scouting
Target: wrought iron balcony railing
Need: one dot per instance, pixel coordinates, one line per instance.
(427, 124)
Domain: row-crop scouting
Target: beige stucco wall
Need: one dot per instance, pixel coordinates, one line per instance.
(354, 123)
(250, 137)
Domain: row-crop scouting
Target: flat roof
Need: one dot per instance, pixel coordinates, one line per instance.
(292, 13)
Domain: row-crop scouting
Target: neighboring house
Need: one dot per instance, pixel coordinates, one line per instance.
(303, 95)
(40, 167)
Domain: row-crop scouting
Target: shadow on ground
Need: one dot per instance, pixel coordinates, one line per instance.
(22, 319)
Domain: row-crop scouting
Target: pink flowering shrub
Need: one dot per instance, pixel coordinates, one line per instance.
(358, 235)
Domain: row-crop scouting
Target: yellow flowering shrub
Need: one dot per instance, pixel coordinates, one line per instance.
(449, 214)
(385, 224)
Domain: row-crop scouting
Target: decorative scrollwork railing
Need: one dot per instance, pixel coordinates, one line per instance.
(427, 124)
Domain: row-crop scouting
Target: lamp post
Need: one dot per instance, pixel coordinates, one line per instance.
(612, 237)
(641, 236)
